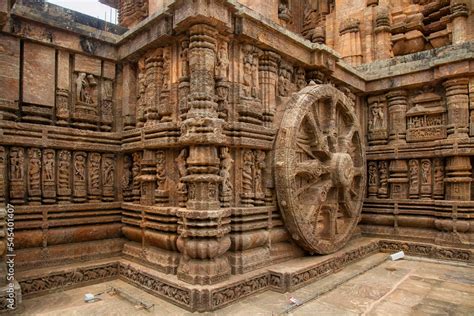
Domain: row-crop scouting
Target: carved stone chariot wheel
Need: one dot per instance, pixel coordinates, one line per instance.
(320, 168)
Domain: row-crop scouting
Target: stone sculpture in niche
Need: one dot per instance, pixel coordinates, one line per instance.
(162, 194)
(414, 178)
(108, 177)
(64, 176)
(258, 178)
(34, 176)
(383, 182)
(49, 176)
(86, 112)
(79, 177)
(17, 175)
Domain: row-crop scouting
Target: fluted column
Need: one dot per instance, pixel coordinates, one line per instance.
(457, 100)
(268, 77)
(459, 14)
(383, 37)
(397, 109)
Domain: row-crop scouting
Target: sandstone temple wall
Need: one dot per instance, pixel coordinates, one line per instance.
(155, 140)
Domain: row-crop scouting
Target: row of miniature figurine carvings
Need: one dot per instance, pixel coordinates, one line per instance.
(49, 176)
(430, 178)
(425, 115)
(167, 178)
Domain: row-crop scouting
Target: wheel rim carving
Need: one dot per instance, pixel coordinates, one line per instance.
(320, 168)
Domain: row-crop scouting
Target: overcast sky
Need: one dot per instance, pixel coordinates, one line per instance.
(89, 7)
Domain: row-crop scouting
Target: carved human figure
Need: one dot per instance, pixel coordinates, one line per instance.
(34, 169)
(247, 172)
(248, 61)
(161, 170)
(425, 171)
(222, 65)
(16, 164)
(182, 170)
(225, 168)
(80, 168)
(383, 178)
(108, 179)
(81, 87)
(185, 59)
(48, 166)
(372, 170)
(414, 178)
(438, 183)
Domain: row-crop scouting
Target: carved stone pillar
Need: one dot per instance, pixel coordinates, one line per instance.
(471, 105)
(459, 15)
(202, 124)
(183, 87)
(268, 77)
(350, 43)
(458, 178)
(398, 179)
(107, 106)
(397, 109)
(203, 227)
(152, 82)
(458, 107)
(62, 107)
(147, 178)
(383, 37)
(3, 246)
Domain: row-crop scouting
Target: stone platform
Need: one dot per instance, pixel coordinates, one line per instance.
(283, 277)
(371, 286)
